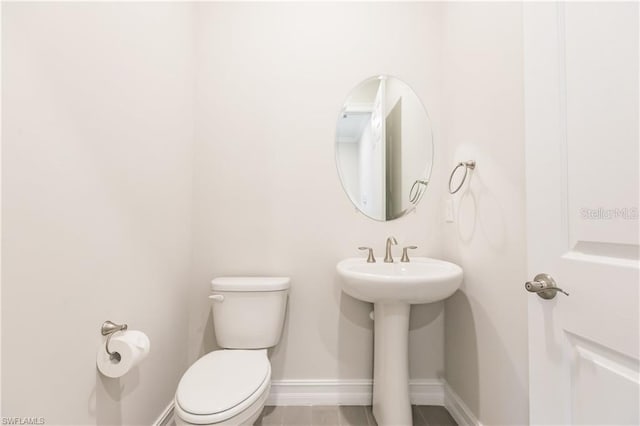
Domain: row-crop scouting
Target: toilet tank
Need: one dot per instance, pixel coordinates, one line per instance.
(248, 312)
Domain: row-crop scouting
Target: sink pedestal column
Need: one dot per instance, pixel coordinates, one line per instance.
(391, 405)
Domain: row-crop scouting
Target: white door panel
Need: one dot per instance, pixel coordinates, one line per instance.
(603, 384)
(581, 107)
(601, 81)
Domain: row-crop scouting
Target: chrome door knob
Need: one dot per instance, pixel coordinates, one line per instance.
(544, 286)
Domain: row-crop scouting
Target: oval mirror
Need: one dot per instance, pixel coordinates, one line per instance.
(384, 148)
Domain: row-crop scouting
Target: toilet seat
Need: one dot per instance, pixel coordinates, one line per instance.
(222, 385)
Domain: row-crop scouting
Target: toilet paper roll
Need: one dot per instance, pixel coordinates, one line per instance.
(132, 345)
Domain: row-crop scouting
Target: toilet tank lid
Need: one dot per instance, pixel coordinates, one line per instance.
(250, 283)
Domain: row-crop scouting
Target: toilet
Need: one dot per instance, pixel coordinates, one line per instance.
(230, 386)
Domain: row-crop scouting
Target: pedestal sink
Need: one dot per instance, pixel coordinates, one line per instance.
(392, 288)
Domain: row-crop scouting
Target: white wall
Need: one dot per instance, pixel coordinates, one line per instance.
(97, 157)
(97, 151)
(486, 321)
(272, 78)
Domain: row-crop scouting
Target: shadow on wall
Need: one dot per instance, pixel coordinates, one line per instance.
(105, 402)
(278, 354)
(354, 313)
(479, 207)
(471, 322)
(421, 316)
(208, 342)
(461, 333)
(462, 326)
(424, 314)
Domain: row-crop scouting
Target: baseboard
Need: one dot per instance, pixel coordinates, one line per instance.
(356, 392)
(347, 392)
(457, 408)
(166, 416)
(426, 392)
(320, 392)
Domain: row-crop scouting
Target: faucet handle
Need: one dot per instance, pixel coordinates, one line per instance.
(370, 258)
(405, 256)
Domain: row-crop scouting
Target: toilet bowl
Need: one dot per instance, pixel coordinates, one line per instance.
(230, 386)
(224, 387)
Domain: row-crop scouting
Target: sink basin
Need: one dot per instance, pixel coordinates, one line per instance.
(392, 288)
(423, 280)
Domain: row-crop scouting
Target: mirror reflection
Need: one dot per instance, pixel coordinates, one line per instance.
(384, 148)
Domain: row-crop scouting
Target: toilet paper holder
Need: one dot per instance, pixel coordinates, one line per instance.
(108, 329)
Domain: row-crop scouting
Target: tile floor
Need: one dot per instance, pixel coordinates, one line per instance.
(346, 415)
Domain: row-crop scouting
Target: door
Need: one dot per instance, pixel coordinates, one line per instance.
(581, 121)
(376, 174)
(393, 161)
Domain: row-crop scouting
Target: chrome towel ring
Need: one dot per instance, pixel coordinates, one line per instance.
(109, 329)
(468, 165)
(419, 189)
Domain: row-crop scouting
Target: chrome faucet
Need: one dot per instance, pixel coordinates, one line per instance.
(387, 257)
